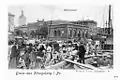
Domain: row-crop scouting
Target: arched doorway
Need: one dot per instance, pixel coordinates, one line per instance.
(79, 34)
(83, 34)
(70, 33)
(86, 34)
(55, 33)
(59, 33)
(75, 32)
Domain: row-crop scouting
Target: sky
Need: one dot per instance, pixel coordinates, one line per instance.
(98, 13)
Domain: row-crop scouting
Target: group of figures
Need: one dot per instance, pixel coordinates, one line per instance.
(39, 54)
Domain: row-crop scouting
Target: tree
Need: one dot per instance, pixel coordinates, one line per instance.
(32, 34)
(43, 31)
(18, 33)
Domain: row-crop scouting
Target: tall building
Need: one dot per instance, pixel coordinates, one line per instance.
(22, 19)
(11, 22)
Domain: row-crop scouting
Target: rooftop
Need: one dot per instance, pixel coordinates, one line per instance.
(35, 24)
(10, 14)
(84, 21)
(39, 23)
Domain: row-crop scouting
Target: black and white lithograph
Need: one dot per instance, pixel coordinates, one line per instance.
(60, 37)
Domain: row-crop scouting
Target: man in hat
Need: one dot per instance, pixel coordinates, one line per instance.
(81, 53)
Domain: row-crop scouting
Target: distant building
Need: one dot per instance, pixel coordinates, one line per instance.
(23, 28)
(30, 27)
(33, 26)
(11, 22)
(22, 19)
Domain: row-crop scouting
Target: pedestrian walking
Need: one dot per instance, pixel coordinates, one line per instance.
(81, 53)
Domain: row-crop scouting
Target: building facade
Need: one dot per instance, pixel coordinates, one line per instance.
(67, 31)
(72, 29)
(93, 29)
(11, 22)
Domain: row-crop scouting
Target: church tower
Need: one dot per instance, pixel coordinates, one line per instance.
(22, 19)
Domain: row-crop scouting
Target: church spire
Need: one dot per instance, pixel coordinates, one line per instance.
(22, 14)
(22, 19)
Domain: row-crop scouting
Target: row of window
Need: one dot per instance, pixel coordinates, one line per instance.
(74, 33)
(57, 33)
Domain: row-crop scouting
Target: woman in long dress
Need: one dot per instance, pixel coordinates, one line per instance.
(32, 59)
(48, 55)
(13, 57)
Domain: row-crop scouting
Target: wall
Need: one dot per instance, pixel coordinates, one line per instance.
(61, 28)
(11, 23)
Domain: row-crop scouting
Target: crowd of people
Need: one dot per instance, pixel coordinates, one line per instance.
(26, 54)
